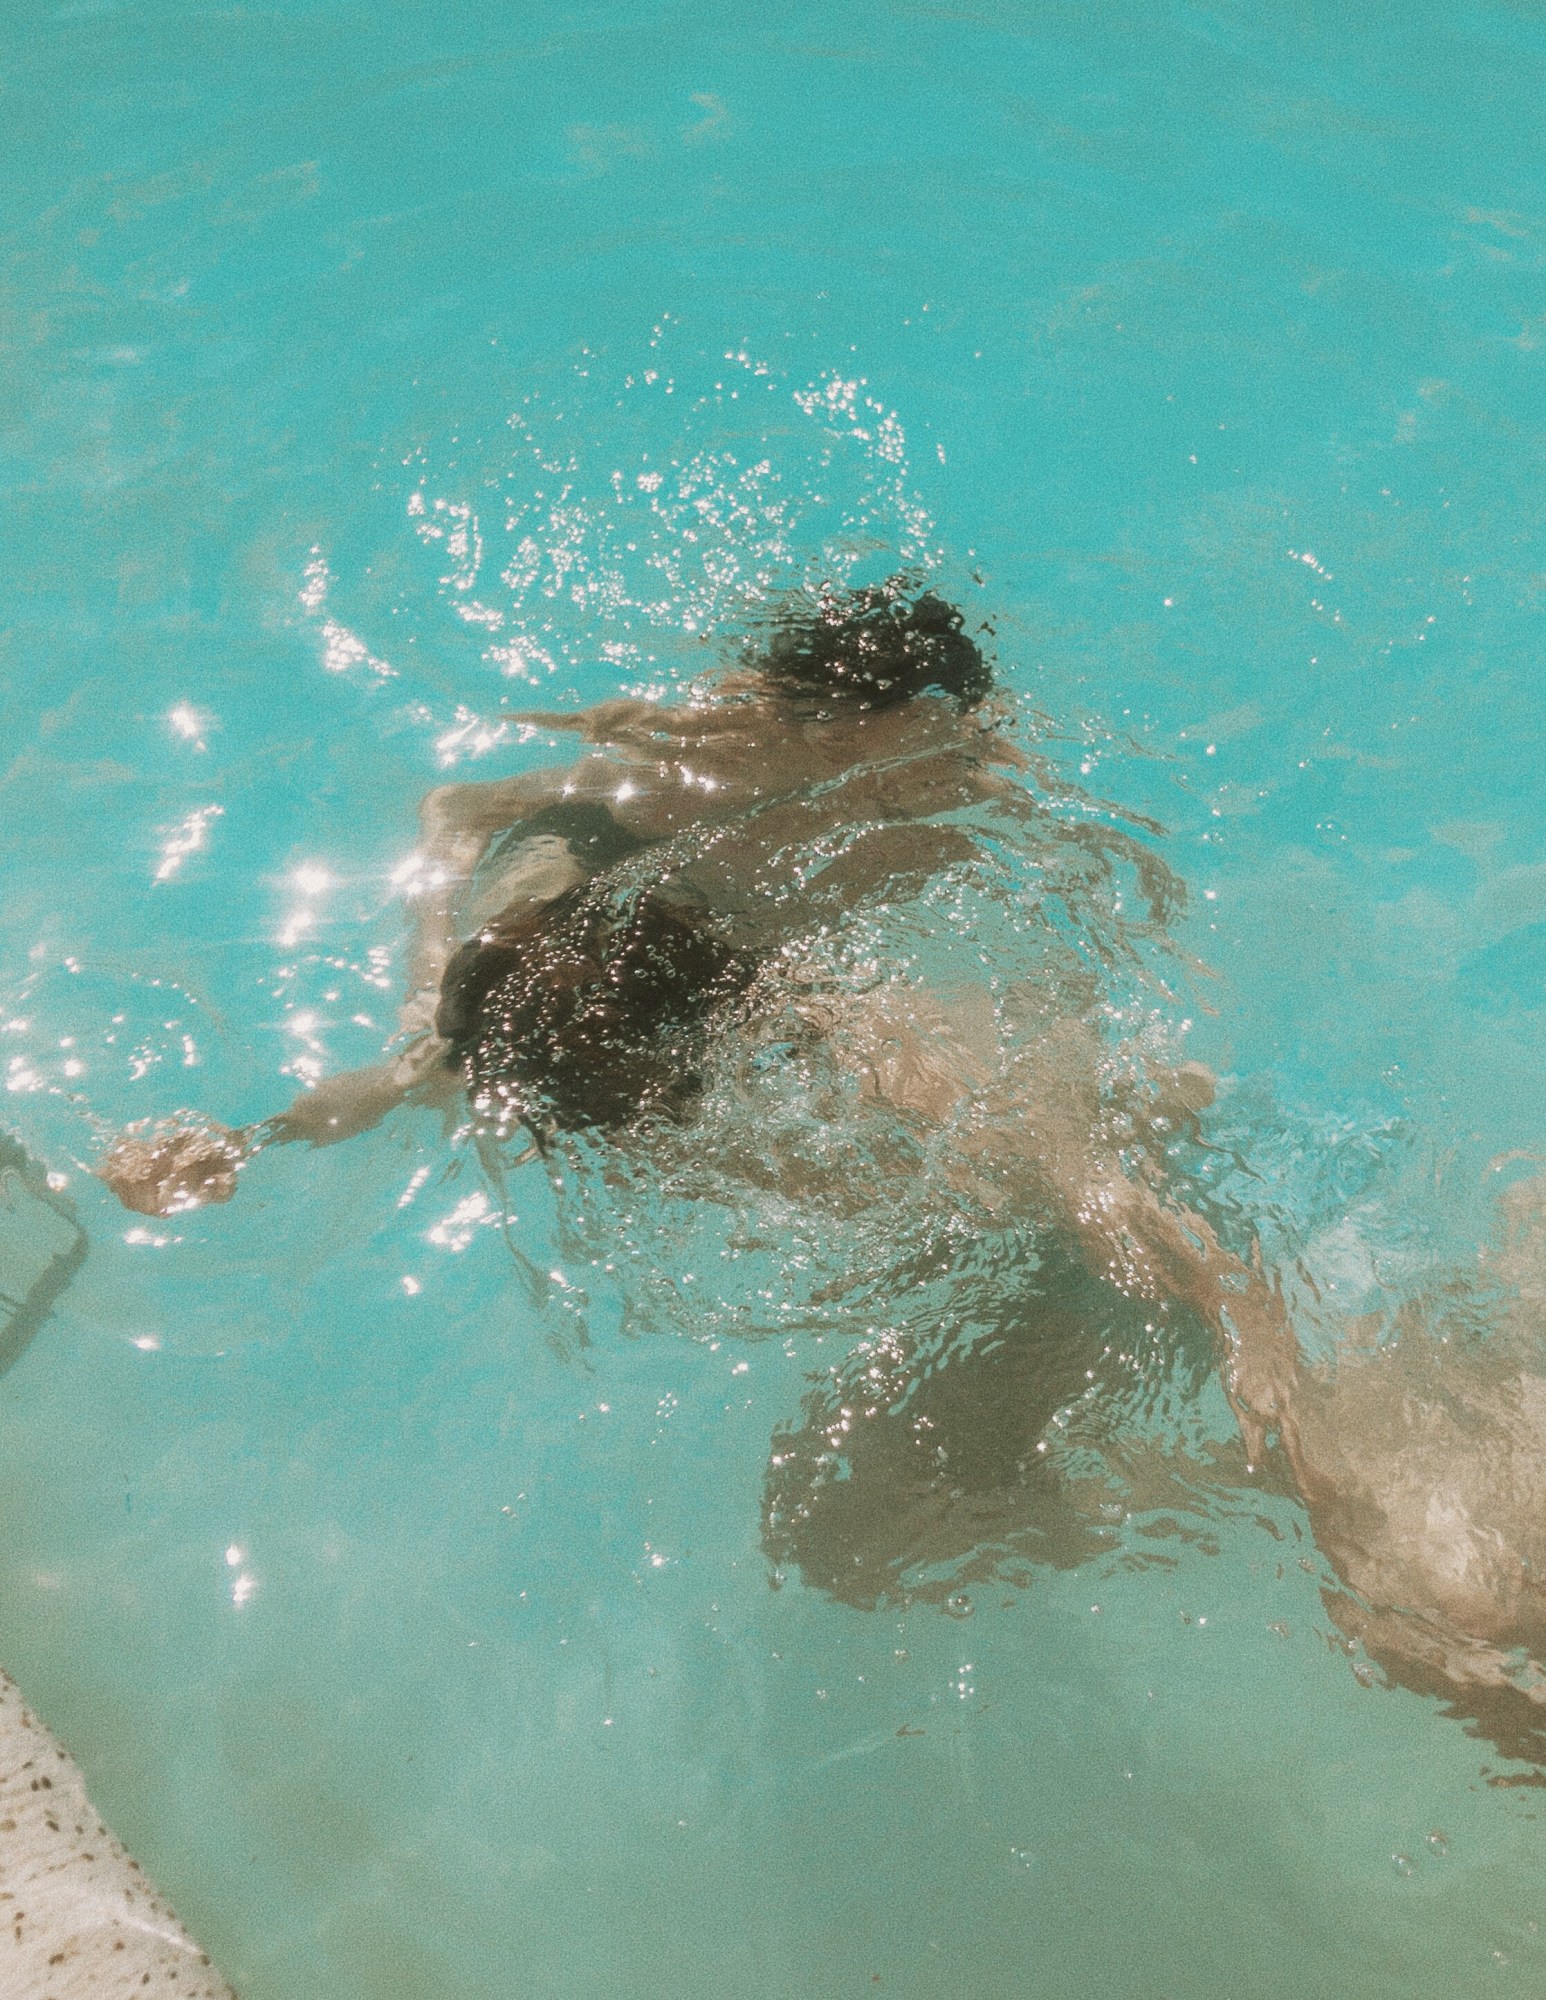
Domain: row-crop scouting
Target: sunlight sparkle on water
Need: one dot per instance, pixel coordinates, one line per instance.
(189, 723)
(187, 839)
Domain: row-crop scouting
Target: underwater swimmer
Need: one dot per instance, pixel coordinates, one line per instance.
(588, 927)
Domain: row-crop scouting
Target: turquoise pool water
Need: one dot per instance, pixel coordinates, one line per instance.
(362, 365)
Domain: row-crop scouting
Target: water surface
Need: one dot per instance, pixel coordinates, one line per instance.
(363, 367)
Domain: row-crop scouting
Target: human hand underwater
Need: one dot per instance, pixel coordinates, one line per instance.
(174, 1164)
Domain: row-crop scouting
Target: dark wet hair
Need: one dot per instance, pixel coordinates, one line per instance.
(590, 1011)
(876, 647)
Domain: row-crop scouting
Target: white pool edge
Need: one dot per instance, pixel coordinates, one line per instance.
(79, 1920)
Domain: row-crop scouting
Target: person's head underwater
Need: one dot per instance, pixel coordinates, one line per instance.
(875, 648)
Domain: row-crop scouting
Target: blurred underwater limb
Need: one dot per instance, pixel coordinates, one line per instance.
(929, 1465)
(923, 1468)
(1419, 1454)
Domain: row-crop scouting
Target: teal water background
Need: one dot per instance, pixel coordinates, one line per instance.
(414, 1656)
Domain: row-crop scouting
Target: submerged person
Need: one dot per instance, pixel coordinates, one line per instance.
(627, 907)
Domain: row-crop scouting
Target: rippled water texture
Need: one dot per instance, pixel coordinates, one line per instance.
(405, 1579)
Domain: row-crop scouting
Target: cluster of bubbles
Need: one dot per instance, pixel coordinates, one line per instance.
(627, 517)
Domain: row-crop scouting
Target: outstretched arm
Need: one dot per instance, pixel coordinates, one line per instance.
(622, 719)
(189, 1160)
